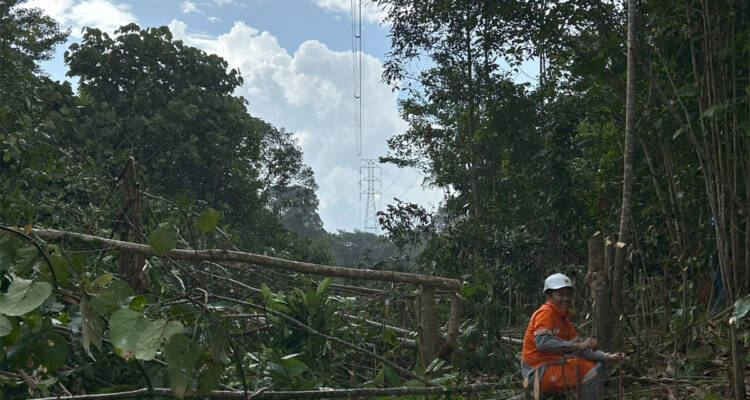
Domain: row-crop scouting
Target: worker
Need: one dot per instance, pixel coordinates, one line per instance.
(553, 356)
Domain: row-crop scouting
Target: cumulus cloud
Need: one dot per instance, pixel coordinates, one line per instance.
(310, 92)
(189, 7)
(77, 14)
(370, 11)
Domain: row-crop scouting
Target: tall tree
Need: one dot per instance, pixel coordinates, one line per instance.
(172, 107)
(625, 234)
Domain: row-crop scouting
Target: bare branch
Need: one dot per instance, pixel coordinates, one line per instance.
(307, 394)
(256, 259)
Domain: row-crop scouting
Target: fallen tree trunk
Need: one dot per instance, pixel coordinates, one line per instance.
(256, 259)
(307, 394)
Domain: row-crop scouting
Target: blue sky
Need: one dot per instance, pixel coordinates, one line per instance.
(296, 58)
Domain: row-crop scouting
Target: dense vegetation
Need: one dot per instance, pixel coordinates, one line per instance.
(155, 148)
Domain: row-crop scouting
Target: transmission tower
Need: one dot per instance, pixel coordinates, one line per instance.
(369, 166)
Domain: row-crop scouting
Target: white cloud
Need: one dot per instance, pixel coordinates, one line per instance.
(189, 7)
(223, 2)
(370, 11)
(310, 92)
(214, 19)
(101, 14)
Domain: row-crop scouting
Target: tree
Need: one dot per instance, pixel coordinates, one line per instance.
(172, 107)
(32, 109)
(625, 235)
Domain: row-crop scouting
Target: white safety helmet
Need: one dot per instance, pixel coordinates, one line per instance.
(557, 281)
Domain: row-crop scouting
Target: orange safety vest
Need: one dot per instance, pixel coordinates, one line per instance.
(547, 319)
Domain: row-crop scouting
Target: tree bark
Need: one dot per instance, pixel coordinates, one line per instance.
(625, 235)
(596, 277)
(131, 229)
(427, 327)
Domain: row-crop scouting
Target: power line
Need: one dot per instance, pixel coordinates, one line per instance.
(356, 10)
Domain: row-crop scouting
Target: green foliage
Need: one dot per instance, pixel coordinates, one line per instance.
(24, 296)
(5, 326)
(135, 336)
(163, 239)
(208, 220)
(741, 307)
(182, 356)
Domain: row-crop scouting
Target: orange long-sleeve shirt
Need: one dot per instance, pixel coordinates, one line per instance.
(547, 319)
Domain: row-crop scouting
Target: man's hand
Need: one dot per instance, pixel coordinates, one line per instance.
(589, 343)
(616, 356)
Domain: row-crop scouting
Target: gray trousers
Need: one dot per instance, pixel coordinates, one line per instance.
(592, 386)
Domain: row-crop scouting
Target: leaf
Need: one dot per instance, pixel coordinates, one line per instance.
(741, 307)
(92, 327)
(209, 377)
(25, 259)
(24, 296)
(102, 280)
(123, 331)
(152, 335)
(77, 261)
(119, 289)
(163, 239)
(60, 267)
(138, 337)
(181, 355)
(267, 295)
(6, 327)
(293, 367)
(138, 302)
(208, 219)
(172, 328)
(323, 286)
(149, 340)
(104, 304)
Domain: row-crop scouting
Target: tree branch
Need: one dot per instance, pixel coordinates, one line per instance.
(307, 394)
(256, 259)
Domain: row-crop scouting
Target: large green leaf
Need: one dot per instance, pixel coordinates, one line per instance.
(136, 336)
(124, 332)
(5, 326)
(152, 335)
(208, 220)
(163, 239)
(24, 296)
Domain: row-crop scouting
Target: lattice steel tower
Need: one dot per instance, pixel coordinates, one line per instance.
(370, 166)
